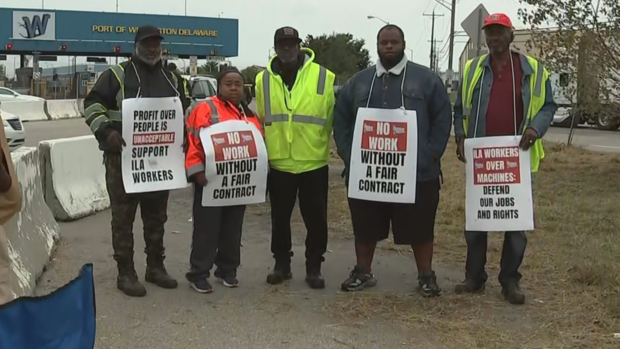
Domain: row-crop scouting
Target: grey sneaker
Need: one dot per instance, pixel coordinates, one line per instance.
(427, 284)
(358, 280)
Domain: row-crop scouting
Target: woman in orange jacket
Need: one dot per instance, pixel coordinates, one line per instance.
(216, 235)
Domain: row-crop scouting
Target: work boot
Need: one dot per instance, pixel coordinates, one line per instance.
(468, 286)
(513, 294)
(127, 281)
(156, 274)
(281, 272)
(314, 279)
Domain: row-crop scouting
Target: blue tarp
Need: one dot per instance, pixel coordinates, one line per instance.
(63, 319)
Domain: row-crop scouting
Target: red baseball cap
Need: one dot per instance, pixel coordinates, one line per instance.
(498, 19)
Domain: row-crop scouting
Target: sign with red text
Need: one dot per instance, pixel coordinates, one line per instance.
(499, 185)
(153, 157)
(384, 156)
(236, 164)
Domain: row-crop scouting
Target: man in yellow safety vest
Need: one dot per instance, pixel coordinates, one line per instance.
(502, 94)
(295, 100)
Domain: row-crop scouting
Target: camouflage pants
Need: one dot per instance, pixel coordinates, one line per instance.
(153, 209)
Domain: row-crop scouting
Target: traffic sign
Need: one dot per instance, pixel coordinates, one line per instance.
(216, 58)
(193, 59)
(36, 75)
(473, 26)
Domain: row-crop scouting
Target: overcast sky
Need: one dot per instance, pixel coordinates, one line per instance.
(258, 20)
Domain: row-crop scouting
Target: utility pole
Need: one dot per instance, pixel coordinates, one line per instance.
(432, 54)
(451, 48)
(116, 12)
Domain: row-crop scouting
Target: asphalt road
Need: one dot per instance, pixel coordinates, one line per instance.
(253, 316)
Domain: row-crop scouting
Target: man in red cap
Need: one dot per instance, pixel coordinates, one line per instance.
(502, 93)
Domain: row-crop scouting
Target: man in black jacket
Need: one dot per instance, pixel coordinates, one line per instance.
(143, 75)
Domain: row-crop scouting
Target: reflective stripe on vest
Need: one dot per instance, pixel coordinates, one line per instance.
(215, 117)
(119, 72)
(306, 119)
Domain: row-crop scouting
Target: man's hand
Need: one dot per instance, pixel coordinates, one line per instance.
(529, 137)
(460, 149)
(115, 142)
(200, 179)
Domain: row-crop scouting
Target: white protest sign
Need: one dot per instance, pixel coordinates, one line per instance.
(384, 156)
(236, 164)
(498, 185)
(153, 159)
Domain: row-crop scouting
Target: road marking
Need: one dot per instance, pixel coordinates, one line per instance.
(604, 146)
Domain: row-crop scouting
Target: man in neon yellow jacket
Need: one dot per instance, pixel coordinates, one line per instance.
(504, 93)
(295, 101)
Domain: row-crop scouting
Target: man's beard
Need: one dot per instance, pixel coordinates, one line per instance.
(390, 62)
(149, 57)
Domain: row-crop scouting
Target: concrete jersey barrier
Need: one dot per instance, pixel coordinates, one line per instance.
(26, 110)
(73, 177)
(63, 109)
(33, 232)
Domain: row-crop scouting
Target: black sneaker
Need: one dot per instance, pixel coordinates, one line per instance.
(427, 282)
(201, 286)
(358, 280)
(226, 280)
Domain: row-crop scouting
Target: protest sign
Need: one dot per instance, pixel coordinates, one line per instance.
(236, 164)
(384, 156)
(153, 158)
(499, 185)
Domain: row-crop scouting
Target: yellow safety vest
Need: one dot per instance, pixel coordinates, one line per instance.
(297, 123)
(116, 115)
(537, 99)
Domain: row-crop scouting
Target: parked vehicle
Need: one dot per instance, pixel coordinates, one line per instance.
(6, 95)
(14, 130)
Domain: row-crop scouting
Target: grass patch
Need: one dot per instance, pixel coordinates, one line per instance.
(571, 269)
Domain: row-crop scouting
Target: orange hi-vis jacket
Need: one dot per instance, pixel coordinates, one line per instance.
(205, 114)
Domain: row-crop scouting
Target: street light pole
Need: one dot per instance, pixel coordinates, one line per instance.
(185, 7)
(375, 17)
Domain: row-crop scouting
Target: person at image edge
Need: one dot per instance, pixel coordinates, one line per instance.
(500, 91)
(142, 74)
(295, 101)
(216, 234)
(397, 81)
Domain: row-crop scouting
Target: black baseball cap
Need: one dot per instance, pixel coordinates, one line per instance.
(148, 31)
(286, 33)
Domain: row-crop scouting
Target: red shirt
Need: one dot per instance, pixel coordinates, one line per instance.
(500, 112)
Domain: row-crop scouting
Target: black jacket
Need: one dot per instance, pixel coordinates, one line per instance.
(102, 97)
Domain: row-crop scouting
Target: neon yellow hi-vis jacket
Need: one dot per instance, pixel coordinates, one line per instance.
(297, 123)
(537, 97)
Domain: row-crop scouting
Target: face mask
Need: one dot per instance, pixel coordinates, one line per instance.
(149, 55)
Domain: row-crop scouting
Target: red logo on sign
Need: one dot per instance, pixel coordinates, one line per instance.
(384, 136)
(496, 165)
(237, 145)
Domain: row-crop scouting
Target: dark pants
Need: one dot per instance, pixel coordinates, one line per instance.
(216, 239)
(153, 209)
(312, 188)
(512, 256)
